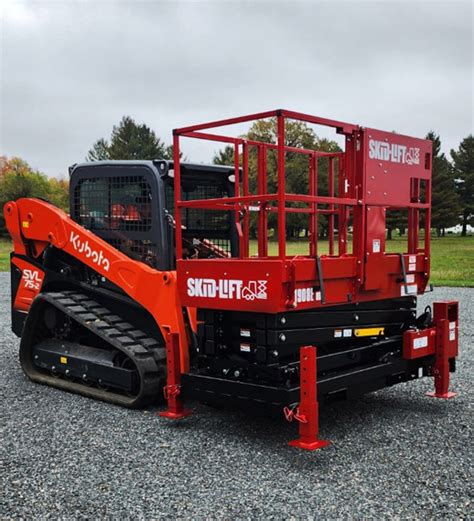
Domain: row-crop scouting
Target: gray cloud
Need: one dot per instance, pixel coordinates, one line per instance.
(70, 70)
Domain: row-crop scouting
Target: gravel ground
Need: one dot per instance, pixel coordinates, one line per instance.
(394, 453)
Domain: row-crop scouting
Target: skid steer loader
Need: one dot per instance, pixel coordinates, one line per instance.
(151, 288)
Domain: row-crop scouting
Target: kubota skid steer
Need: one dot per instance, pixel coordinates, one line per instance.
(151, 287)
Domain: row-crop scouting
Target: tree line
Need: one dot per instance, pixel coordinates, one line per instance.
(18, 179)
(452, 181)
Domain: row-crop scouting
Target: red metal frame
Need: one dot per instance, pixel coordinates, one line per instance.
(446, 317)
(377, 171)
(441, 340)
(419, 343)
(307, 412)
(172, 389)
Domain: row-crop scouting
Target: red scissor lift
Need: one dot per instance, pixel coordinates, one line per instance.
(377, 173)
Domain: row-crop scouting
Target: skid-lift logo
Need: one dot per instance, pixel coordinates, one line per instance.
(32, 279)
(227, 289)
(383, 151)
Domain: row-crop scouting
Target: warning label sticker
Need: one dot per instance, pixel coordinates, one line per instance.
(419, 343)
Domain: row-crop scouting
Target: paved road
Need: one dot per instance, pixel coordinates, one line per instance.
(393, 453)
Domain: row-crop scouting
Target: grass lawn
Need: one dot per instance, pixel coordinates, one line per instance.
(452, 261)
(452, 257)
(5, 249)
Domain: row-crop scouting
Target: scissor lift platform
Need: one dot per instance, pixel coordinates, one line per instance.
(378, 172)
(289, 331)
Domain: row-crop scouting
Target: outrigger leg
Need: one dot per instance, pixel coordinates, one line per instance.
(172, 389)
(307, 413)
(446, 323)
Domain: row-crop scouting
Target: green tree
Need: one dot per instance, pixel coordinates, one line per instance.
(444, 198)
(299, 135)
(224, 156)
(130, 140)
(99, 151)
(59, 192)
(463, 164)
(18, 180)
(396, 220)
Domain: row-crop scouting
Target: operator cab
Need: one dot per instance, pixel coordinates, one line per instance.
(130, 204)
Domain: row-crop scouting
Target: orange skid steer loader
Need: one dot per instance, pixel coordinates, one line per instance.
(151, 288)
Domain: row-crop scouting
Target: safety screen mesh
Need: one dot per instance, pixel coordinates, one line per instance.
(113, 203)
(143, 250)
(118, 209)
(206, 233)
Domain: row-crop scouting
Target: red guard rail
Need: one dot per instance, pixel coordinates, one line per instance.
(377, 171)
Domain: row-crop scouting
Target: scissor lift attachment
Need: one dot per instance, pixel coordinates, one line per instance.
(161, 256)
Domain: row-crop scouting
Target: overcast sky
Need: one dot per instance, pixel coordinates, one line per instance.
(70, 70)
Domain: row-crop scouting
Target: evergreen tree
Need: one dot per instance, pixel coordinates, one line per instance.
(396, 220)
(444, 198)
(130, 141)
(463, 163)
(99, 151)
(224, 156)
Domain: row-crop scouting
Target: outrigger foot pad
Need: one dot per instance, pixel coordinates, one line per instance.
(175, 415)
(443, 396)
(309, 445)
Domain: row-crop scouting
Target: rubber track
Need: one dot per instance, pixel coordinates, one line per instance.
(148, 355)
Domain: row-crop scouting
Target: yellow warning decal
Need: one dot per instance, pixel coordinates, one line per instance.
(63, 359)
(25, 224)
(369, 331)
